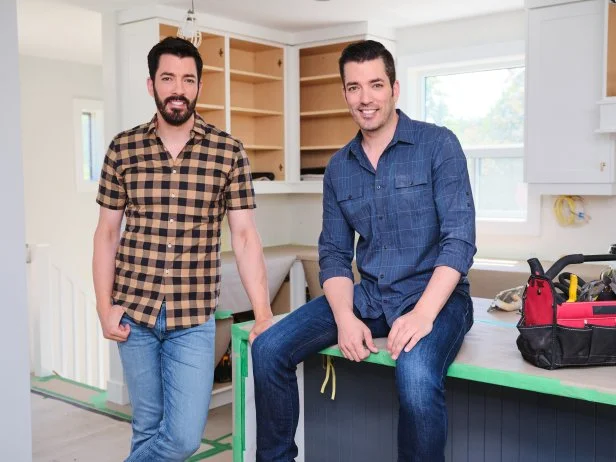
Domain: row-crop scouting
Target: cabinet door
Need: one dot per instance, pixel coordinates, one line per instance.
(564, 83)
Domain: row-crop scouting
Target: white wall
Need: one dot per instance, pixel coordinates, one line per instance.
(553, 240)
(482, 30)
(15, 429)
(56, 213)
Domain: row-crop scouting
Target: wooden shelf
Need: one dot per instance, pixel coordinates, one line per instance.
(212, 69)
(254, 112)
(253, 77)
(209, 107)
(261, 147)
(320, 79)
(324, 113)
(331, 147)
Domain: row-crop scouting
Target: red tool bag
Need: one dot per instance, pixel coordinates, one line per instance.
(554, 333)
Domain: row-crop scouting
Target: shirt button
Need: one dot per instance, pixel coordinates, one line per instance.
(172, 196)
(171, 220)
(169, 245)
(174, 171)
(166, 271)
(382, 276)
(378, 187)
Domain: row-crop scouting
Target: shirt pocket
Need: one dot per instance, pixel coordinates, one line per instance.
(412, 191)
(355, 207)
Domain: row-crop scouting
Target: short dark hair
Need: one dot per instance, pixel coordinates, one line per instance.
(174, 46)
(368, 50)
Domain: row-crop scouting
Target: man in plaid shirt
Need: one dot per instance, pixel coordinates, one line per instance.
(157, 282)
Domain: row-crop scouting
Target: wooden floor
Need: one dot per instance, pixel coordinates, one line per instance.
(71, 424)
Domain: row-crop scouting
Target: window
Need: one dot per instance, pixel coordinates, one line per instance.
(89, 144)
(484, 107)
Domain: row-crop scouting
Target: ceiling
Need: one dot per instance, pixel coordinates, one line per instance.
(71, 30)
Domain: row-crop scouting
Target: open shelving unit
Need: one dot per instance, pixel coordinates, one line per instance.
(325, 122)
(257, 104)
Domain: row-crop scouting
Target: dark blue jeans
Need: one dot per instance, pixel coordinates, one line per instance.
(420, 377)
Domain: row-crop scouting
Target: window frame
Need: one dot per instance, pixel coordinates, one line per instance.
(413, 71)
(94, 107)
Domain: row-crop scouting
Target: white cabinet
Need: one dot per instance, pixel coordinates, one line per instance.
(565, 63)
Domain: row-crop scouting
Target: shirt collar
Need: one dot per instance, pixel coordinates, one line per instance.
(404, 133)
(199, 127)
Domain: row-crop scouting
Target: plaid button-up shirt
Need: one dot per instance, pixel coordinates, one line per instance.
(170, 247)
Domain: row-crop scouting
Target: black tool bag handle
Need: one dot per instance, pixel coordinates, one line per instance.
(574, 259)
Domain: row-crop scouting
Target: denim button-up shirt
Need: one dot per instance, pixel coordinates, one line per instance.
(414, 213)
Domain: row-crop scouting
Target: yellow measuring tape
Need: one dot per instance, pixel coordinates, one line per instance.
(328, 365)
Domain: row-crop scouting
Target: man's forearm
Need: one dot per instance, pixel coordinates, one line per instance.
(440, 287)
(339, 293)
(103, 267)
(251, 266)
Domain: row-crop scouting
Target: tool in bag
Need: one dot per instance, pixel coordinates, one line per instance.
(567, 329)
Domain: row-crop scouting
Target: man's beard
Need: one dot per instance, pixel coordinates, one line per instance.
(175, 117)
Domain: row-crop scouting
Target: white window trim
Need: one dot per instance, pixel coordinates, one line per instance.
(96, 108)
(413, 68)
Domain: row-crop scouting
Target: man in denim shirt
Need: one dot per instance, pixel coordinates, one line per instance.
(403, 187)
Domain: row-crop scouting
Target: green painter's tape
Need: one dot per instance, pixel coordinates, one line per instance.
(62, 379)
(223, 314)
(217, 449)
(529, 382)
(219, 439)
(382, 357)
(244, 361)
(240, 331)
(244, 356)
(503, 378)
(238, 393)
(83, 404)
(496, 323)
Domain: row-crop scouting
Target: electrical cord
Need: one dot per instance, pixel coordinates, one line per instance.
(569, 211)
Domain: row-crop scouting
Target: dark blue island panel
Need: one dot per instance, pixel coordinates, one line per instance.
(487, 423)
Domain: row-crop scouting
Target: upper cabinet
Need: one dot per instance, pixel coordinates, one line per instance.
(607, 106)
(565, 153)
(243, 90)
(257, 105)
(325, 122)
(280, 94)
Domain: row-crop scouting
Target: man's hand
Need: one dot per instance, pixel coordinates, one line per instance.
(354, 338)
(407, 330)
(110, 323)
(258, 328)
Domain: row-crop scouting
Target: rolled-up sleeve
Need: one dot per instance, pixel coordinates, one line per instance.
(111, 190)
(454, 203)
(336, 239)
(240, 193)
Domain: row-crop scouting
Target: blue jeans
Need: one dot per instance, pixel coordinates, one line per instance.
(169, 375)
(420, 377)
